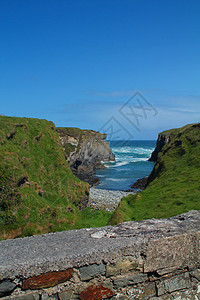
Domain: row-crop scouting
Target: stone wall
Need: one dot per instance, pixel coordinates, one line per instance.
(150, 259)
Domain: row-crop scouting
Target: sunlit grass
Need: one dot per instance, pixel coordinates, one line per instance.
(176, 189)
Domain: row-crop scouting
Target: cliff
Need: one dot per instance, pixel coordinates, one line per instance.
(85, 150)
(181, 142)
(162, 140)
(173, 185)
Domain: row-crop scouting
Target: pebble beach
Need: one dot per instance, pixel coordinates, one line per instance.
(106, 199)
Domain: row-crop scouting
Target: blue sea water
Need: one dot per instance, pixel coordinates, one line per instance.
(131, 164)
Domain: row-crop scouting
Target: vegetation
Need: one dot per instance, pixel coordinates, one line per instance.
(38, 192)
(174, 186)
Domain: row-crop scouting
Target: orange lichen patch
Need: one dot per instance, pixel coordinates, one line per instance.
(96, 292)
(47, 280)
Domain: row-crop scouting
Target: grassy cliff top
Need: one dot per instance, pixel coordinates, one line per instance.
(39, 193)
(178, 131)
(175, 180)
(77, 132)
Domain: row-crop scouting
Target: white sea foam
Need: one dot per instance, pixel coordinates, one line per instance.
(132, 150)
(128, 159)
(109, 164)
(116, 179)
(119, 164)
(138, 159)
(141, 150)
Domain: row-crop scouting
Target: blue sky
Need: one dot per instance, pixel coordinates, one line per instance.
(78, 62)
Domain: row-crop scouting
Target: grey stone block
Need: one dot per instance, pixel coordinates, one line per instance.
(91, 271)
(176, 251)
(123, 281)
(196, 274)
(26, 297)
(120, 297)
(6, 287)
(190, 294)
(45, 296)
(146, 291)
(121, 266)
(173, 284)
(67, 295)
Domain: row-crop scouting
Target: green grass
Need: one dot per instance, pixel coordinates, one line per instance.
(39, 193)
(175, 185)
(94, 218)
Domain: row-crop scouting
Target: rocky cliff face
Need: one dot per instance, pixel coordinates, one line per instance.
(85, 150)
(163, 139)
(173, 185)
(175, 140)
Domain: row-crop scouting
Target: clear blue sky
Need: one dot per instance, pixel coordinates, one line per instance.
(78, 62)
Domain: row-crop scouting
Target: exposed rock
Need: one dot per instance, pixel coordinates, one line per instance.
(121, 266)
(123, 281)
(120, 296)
(88, 272)
(196, 274)
(173, 284)
(26, 297)
(159, 257)
(142, 292)
(140, 183)
(45, 296)
(169, 141)
(47, 280)
(6, 287)
(163, 139)
(65, 295)
(85, 150)
(89, 178)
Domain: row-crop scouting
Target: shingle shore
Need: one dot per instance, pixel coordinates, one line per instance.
(106, 199)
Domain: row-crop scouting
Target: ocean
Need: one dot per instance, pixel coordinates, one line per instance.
(131, 164)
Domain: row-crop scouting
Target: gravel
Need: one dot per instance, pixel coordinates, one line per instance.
(106, 199)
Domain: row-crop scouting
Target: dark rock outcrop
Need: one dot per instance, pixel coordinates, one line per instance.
(163, 139)
(85, 151)
(140, 183)
(172, 140)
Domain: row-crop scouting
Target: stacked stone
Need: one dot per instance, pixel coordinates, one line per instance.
(116, 280)
(151, 259)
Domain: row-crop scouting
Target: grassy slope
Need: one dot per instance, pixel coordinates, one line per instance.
(176, 187)
(30, 148)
